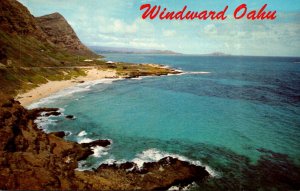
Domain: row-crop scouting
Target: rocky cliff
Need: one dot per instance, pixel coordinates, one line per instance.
(29, 41)
(30, 48)
(61, 33)
(16, 19)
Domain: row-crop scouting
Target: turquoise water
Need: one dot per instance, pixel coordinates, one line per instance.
(242, 115)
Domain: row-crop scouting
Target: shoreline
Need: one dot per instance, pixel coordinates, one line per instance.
(93, 73)
(51, 87)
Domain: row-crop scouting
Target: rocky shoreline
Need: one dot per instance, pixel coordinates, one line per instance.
(30, 159)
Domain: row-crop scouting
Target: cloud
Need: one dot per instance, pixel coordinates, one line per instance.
(119, 23)
(255, 37)
(169, 33)
(210, 29)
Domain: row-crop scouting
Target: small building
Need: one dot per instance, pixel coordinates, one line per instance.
(88, 60)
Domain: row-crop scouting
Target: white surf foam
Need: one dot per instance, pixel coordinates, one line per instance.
(195, 73)
(43, 122)
(68, 133)
(138, 78)
(85, 140)
(82, 133)
(100, 151)
(189, 73)
(153, 155)
(70, 91)
(188, 187)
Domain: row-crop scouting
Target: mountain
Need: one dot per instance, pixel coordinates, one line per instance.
(216, 54)
(104, 49)
(60, 33)
(43, 41)
(31, 47)
(17, 20)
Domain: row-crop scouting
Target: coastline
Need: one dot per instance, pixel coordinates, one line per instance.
(93, 73)
(51, 87)
(40, 147)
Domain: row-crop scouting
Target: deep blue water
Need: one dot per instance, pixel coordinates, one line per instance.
(243, 115)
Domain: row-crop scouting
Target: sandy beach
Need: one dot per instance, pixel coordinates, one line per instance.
(44, 90)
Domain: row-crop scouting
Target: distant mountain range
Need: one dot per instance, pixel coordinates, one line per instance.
(216, 54)
(122, 50)
(105, 49)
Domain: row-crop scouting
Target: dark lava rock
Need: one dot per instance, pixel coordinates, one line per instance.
(34, 113)
(60, 134)
(159, 175)
(102, 143)
(70, 117)
(53, 113)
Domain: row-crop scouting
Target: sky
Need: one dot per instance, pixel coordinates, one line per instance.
(118, 23)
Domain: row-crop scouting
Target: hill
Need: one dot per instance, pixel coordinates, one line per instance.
(60, 33)
(29, 46)
(36, 50)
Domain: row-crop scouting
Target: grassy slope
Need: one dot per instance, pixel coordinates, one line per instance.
(30, 57)
(34, 62)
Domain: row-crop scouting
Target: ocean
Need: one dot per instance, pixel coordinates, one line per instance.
(238, 116)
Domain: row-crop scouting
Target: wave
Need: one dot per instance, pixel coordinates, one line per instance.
(43, 121)
(195, 73)
(85, 140)
(138, 78)
(68, 133)
(188, 187)
(100, 151)
(70, 91)
(82, 133)
(154, 155)
(189, 73)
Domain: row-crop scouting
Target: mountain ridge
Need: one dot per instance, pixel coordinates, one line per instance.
(105, 49)
(26, 50)
(60, 33)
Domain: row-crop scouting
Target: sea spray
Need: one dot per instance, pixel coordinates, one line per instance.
(82, 133)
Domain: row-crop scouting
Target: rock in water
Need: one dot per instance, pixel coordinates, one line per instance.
(70, 117)
(102, 143)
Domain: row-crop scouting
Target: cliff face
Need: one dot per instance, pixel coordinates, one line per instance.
(30, 41)
(16, 19)
(30, 158)
(26, 42)
(61, 33)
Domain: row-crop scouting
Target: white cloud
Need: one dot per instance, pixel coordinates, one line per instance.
(210, 29)
(169, 33)
(118, 23)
